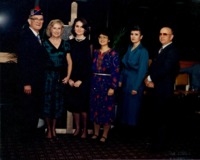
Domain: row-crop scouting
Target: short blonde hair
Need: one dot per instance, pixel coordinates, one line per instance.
(51, 24)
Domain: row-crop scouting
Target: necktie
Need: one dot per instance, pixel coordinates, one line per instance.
(160, 50)
(38, 37)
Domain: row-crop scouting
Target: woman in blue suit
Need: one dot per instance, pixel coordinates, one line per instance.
(135, 66)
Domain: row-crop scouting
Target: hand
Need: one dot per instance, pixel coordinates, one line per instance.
(133, 92)
(149, 84)
(120, 84)
(27, 89)
(146, 81)
(77, 83)
(65, 80)
(71, 82)
(111, 92)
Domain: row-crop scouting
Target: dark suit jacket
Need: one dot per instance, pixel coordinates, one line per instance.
(163, 71)
(31, 59)
(31, 65)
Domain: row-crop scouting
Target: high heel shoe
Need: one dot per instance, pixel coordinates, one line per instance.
(84, 134)
(49, 135)
(103, 139)
(76, 133)
(94, 137)
(54, 135)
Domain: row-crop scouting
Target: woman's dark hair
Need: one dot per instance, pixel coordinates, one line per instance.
(103, 31)
(85, 26)
(137, 28)
(106, 32)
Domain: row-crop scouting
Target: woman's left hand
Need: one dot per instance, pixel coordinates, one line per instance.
(77, 83)
(133, 92)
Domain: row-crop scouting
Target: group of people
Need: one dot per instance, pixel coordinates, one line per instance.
(56, 73)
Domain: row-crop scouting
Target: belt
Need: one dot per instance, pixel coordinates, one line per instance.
(102, 74)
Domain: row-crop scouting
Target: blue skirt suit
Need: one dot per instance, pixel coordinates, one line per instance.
(135, 66)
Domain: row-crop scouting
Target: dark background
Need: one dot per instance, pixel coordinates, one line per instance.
(182, 15)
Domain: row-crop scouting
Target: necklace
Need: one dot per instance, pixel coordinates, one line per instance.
(79, 40)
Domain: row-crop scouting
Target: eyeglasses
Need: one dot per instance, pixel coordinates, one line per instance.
(164, 34)
(36, 19)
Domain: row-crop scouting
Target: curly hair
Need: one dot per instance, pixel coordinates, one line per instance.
(50, 25)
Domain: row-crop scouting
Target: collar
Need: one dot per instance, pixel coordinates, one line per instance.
(79, 40)
(34, 32)
(166, 45)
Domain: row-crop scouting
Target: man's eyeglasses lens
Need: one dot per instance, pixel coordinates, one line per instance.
(36, 19)
(163, 34)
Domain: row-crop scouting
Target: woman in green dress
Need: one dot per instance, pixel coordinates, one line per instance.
(58, 71)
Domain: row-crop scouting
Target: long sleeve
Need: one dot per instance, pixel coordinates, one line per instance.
(142, 69)
(165, 64)
(31, 58)
(135, 66)
(114, 69)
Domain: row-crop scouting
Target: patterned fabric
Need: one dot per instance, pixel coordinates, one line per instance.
(102, 106)
(55, 72)
(36, 11)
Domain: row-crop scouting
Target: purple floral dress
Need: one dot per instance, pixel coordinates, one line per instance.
(105, 70)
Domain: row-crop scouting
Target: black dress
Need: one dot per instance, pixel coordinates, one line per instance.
(77, 99)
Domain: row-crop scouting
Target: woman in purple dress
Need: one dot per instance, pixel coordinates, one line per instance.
(104, 82)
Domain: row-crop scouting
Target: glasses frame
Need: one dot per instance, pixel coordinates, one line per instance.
(37, 20)
(164, 34)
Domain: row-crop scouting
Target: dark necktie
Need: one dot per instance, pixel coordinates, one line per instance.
(160, 50)
(38, 37)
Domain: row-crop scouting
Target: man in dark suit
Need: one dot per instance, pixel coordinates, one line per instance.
(161, 78)
(31, 64)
